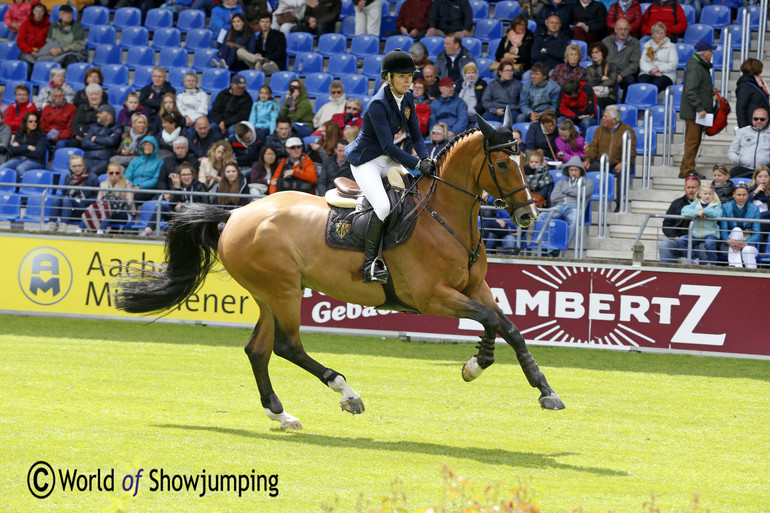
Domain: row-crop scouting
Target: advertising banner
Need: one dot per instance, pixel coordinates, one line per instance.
(566, 304)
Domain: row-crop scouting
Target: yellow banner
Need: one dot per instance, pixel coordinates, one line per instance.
(78, 276)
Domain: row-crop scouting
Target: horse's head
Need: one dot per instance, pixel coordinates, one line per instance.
(505, 178)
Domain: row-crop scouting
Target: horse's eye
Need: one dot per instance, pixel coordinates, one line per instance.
(502, 165)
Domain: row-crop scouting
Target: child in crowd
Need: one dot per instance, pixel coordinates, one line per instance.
(704, 231)
(740, 237)
(758, 194)
(264, 112)
(130, 107)
(569, 144)
(723, 186)
(536, 172)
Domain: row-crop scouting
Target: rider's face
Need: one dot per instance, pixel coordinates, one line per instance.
(401, 83)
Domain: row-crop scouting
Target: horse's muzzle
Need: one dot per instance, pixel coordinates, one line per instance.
(525, 216)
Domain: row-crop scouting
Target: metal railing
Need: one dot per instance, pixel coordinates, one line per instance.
(727, 58)
(627, 157)
(581, 217)
(604, 187)
(647, 149)
(762, 29)
(745, 22)
(669, 125)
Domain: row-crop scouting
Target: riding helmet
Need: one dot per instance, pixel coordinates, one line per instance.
(397, 61)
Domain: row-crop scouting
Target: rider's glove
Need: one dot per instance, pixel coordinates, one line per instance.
(427, 166)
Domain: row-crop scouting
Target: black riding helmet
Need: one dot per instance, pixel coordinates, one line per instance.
(397, 61)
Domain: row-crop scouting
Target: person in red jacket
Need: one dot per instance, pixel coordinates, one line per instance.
(56, 119)
(295, 172)
(33, 33)
(631, 11)
(578, 103)
(667, 12)
(17, 109)
(413, 19)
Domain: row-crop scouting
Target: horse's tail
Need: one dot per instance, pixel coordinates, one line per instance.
(191, 245)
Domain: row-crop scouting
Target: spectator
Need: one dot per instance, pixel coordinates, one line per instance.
(132, 137)
(263, 170)
(296, 172)
(543, 137)
(171, 129)
(202, 136)
(569, 143)
(181, 155)
(255, 10)
(538, 95)
(283, 132)
(56, 80)
(5, 141)
(266, 50)
(368, 16)
(659, 60)
(571, 67)
(33, 33)
(68, 207)
(624, 51)
(502, 92)
(431, 81)
(564, 198)
(629, 10)
(589, 21)
(751, 146)
(438, 139)
(538, 177)
(334, 166)
(183, 184)
(673, 229)
(193, 102)
(758, 195)
(91, 76)
(550, 43)
(453, 59)
(697, 101)
(85, 115)
(28, 147)
(264, 112)
(578, 103)
(245, 145)
(698, 5)
(232, 105)
(419, 93)
(130, 107)
(320, 17)
(118, 206)
(151, 95)
(168, 104)
(212, 167)
(16, 111)
(334, 106)
(560, 8)
(470, 89)
(750, 91)
(532, 8)
(297, 107)
(419, 53)
(413, 19)
(237, 38)
(722, 184)
(222, 15)
(326, 145)
(350, 133)
(287, 15)
(450, 109)
(232, 182)
(352, 116)
(15, 15)
(668, 12)
(102, 140)
(516, 47)
(450, 17)
(66, 42)
(741, 246)
(601, 75)
(497, 230)
(144, 170)
(704, 231)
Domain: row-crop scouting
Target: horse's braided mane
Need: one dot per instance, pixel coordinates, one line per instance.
(453, 142)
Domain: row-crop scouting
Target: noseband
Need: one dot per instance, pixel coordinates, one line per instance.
(510, 148)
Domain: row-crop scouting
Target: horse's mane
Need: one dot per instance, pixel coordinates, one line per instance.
(452, 143)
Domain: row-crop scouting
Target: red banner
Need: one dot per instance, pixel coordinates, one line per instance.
(613, 307)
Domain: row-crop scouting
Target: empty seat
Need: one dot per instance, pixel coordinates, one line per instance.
(100, 35)
(94, 15)
(492, 47)
(202, 58)
(174, 57)
(753, 16)
(254, 78)
(41, 73)
(13, 71)
(363, 45)
(689, 12)
(348, 8)
(159, 18)
(484, 63)
(685, 51)
(214, 80)
(556, 237)
(718, 16)
(132, 37)
(191, 19)
(140, 56)
(697, 32)
(590, 133)
(718, 58)
(434, 44)
(280, 80)
(317, 83)
(348, 27)
(676, 91)
(595, 177)
(642, 96)
(332, 45)
(198, 39)
(400, 41)
(480, 9)
(629, 114)
(308, 62)
(659, 118)
(342, 64)
(10, 205)
(487, 29)
(355, 85)
(127, 17)
(75, 73)
(8, 50)
(107, 54)
(297, 42)
(115, 75)
(640, 141)
(166, 38)
(35, 177)
(116, 94)
(473, 45)
(142, 76)
(8, 176)
(372, 66)
(37, 210)
(507, 10)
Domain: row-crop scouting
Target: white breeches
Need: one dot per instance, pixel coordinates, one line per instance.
(369, 178)
(738, 258)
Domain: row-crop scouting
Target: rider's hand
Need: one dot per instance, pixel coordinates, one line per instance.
(427, 166)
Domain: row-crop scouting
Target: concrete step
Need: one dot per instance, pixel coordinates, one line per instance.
(649, 207)
(620, 256)
(662, 195)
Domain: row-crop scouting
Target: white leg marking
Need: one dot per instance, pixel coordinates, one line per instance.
(472, 369)
(287, 421)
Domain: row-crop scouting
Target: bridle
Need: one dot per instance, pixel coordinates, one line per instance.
(511, 149)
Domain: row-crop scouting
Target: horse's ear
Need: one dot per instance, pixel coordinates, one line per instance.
(486, 129)
(508, 119)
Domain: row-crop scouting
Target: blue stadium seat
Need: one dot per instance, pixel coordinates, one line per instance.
(191, 19)
(689, 12)
(629, 114)
(507, 10)
(685, 51)
(676, 90)
(214, 80)
(115, 75)
(320, 101)
(718, 57)
(645, 6)
(348, 27)
(487, 29)
(523, 128)
(100, 35)
(176, 77)
(332, 45)
(659, 118)
(61, 159)
(132, 37)
(202, 59)
(198, 39)
(400, 41)
(10, 205)
(116, 94)
(142, 77)
(642, 96)
(159, 18)
(317, 83)
(35, 177)
(173, 57)
(41, 73)
(718, 16)
(434, 44)
(484, 63)
(555, 239)
(37, 210)
(639, 130)
(590, 133)
(342, 64)
(140, 56)
(106, 54)
(594, 176)
(254, 78)
(7, 175)
(127, 17)
(583, 47)
(363, 45)
(8, 51)
(735, 30)
(166, 38)
(372, 66)
(348, 9)
(492, 47)
(308, 62)
(94, 15)
(280, 80)
(297, 42)
(387, 24)
(54, 14)
(753, 16)
(75, 73)
(355, 85)
(480, 9)
(13, 71)
(3, 8)
(473, 45)
(146, 215)
(697, 32)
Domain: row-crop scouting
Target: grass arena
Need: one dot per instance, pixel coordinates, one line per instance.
(165, 416)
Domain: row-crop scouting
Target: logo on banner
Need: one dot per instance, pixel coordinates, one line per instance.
(45, 276)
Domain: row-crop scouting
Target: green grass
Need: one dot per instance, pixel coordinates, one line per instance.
(90, 395)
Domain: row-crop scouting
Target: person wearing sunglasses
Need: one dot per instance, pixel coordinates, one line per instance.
(751, 146)
(335, 105)
(438, 139)
(295, 172)
(674, 228)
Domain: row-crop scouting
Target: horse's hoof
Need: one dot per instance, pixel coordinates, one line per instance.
(287, 421)
(352, 405)
(291, 424)
(551, 402)
(471, 369)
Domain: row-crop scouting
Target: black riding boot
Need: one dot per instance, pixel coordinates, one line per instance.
(374, 267)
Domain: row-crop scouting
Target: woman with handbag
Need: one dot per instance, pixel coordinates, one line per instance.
(659, 60)
(601, 75)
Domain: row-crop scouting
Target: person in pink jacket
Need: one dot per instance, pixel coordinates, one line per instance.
(16, 13)
(569, 143)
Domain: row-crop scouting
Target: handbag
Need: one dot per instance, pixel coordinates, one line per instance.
(602, 91)
(720, 118)
(285, 17)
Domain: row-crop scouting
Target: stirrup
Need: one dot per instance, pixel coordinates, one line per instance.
(376, 273)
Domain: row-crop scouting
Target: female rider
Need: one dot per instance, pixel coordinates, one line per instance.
(373, 152)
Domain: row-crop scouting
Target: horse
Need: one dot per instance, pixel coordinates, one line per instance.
(274, 248)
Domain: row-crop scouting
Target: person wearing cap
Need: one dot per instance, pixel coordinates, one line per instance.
(751, 146)
(740, 237)
(504, 91)
(295, 172)
(697, 101)
(453, 59)
(470, 88)
(564, 197)
(66, 42)
(232, 105)
(674, 228)
(449, 108)
(102, 140)
(373, 152)
(151, 95)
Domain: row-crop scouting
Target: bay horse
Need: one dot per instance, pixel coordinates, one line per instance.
(275, 248)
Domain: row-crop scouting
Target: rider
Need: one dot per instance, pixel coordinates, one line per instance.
(373, 152)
